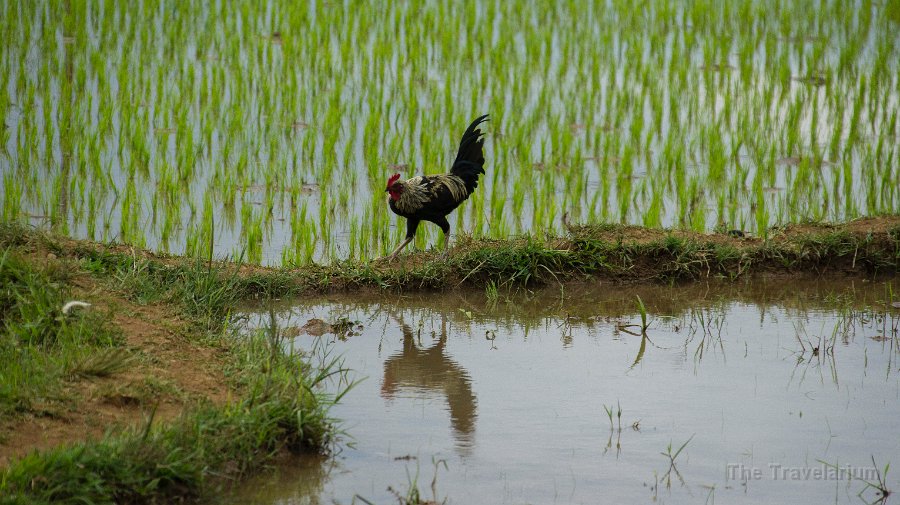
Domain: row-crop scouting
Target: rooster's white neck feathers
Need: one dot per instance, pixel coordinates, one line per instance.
(420, 189)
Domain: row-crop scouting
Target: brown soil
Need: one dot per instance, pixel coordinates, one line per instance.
(169, 371)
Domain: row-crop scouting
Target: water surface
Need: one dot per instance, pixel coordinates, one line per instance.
(504, 399)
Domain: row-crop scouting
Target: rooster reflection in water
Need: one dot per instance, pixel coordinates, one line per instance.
(418, 369)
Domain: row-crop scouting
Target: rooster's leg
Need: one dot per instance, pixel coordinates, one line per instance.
(411, 225)
(395, 252)
(445, 254)
(445, 227)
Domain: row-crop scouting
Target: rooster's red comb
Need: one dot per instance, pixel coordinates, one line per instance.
(393, 179)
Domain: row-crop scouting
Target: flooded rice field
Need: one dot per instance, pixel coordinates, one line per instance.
(760, 392)
(268, 129)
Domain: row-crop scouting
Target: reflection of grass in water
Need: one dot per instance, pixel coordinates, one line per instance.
(413, 496)
(685, 134)
(878, 484)
(672, 456)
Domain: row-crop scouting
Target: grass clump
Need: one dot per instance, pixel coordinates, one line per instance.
(202, 291)
(40, 344)
(522, 262)
(31, 303)
(281, 410)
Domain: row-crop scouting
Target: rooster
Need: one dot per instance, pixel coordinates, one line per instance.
(432, 197)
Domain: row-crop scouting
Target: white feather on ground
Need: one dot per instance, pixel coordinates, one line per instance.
(74, 304)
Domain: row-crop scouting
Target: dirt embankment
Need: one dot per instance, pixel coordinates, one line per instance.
(168, 369)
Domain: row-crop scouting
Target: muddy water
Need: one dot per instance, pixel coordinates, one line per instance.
(503, 399)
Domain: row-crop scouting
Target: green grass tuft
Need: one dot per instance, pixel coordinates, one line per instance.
(190, 457)
(39, 343)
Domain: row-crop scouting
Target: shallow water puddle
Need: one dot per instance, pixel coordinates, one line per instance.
(768, 386)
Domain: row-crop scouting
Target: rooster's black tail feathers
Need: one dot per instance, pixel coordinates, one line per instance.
(470, 158)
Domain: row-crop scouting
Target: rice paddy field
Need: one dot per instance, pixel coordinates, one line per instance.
(266, 130)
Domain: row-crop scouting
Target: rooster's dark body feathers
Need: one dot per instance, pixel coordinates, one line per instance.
(432, 197)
